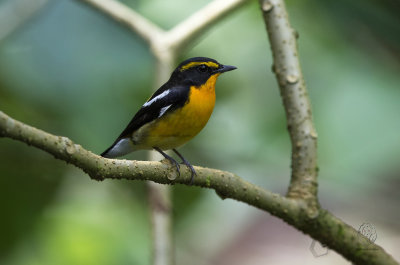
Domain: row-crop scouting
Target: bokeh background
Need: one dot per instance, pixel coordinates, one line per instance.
(72, 71)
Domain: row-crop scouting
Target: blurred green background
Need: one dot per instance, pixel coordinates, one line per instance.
(72, 71)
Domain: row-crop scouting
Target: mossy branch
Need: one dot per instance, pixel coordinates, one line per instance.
(226, 184)
(320, 225)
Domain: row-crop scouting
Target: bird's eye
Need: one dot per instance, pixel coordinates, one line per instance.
(202, 68)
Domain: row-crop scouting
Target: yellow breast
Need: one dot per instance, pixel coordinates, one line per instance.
(178, 127)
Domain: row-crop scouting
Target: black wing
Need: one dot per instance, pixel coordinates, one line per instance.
(162, 102)
(157, 106)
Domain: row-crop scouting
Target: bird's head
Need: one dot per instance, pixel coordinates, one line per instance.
(196, 71)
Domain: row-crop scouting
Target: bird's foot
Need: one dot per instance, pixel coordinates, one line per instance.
(170, 159)
(185, 162)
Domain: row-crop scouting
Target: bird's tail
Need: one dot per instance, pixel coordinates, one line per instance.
(119, 148)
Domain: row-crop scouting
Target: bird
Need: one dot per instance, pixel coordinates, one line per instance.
(174, 114)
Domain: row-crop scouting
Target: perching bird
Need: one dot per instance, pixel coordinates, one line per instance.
(175, 113)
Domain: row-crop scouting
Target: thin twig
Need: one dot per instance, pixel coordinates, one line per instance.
(127, 16)
(14, 14)
(166, 43)
(192, 27)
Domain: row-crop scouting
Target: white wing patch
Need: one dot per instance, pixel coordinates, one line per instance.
(163, 110)
(163, 94)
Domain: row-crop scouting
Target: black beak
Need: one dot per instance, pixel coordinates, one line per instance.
(225, 68)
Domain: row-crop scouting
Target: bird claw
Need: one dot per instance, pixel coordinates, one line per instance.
(193, 172)
(184, 161)
(178, 167)
(190, 167)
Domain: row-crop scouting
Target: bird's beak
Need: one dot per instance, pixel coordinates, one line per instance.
(225, 68)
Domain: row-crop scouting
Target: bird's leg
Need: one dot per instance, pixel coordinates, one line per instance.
(187, 164)
(170, 159)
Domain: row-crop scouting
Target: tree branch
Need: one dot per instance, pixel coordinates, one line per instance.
(13, 14)
(129, 17)
(323, 227)
(167, 43)
(226, 184)
(320, 224)
(188, 30)
(295, 100)
(160, 201)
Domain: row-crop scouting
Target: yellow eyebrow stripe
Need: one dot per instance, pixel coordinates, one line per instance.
(192, 64)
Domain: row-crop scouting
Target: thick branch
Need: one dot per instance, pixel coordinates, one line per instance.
(224, 183)
(323, 227)
(295, 99)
